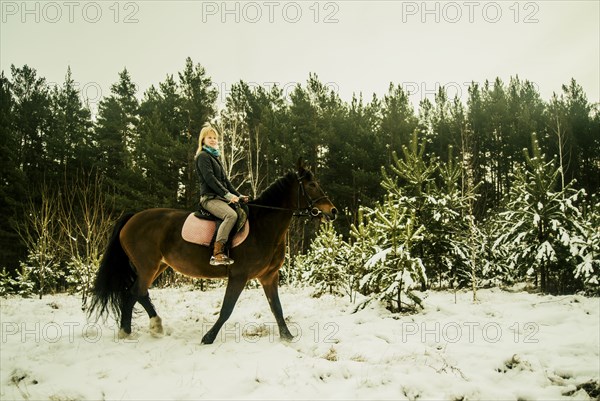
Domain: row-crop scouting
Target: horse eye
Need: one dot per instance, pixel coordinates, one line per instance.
(312, 185)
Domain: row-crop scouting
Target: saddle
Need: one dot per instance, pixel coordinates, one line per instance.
(200, 227)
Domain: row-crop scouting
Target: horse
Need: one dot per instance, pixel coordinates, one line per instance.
(145, 244)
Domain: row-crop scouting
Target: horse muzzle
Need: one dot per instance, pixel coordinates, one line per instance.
(327, 216)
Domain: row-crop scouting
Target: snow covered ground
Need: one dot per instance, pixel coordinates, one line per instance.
(509, 346)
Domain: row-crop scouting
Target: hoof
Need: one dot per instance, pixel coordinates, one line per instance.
(123, 334)
(156, 328)
(287, 338)
(285, 335)
(207, 339)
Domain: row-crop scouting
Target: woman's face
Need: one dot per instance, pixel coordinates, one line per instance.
(212, 140)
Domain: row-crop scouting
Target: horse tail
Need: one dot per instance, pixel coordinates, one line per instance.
(114, 278)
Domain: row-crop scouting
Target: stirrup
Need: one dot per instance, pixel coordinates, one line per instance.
(224, 261)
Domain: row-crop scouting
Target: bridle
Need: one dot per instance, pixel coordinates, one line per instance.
(309, 211)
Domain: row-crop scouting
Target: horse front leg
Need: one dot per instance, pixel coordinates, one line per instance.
(270, 284)
(235, 285)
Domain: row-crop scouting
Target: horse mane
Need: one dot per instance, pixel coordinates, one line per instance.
(275, 192)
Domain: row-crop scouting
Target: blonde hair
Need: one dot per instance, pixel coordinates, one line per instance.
(206, 129)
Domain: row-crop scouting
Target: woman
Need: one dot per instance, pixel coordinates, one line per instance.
(216, 191)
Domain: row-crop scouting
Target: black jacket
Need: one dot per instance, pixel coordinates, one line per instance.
(211, 174)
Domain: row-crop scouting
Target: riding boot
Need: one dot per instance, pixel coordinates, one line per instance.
(219, 257)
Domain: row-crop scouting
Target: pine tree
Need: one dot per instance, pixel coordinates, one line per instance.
(25, 117)
(198, 98)
(309, 110)
(70, 146)
(541, 230)
(444, 134)
(575, 136)
(488, 118)
(12, 185)
(116, 136)
(326, 262)
(355, 155)
(475, 240)
(308, 129)
(393, 270)
(398, 119)
(361, 251)
(434, 192)
(155, 162)
(158, 153)
(31, 116)
(588, 250)
(525, 116)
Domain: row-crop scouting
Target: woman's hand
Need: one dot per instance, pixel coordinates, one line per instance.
(235, 199)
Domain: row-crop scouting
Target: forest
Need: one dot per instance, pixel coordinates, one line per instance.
(496, 189)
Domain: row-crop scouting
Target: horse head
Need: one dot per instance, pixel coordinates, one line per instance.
(311, 196)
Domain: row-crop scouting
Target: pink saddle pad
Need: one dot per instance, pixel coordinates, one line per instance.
(201, 232)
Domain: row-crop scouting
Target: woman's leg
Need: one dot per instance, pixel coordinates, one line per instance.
(223, 211)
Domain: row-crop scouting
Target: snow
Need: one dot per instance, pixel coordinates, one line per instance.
(379, 257)
(509, 346)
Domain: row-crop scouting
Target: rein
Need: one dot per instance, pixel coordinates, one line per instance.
(297, 212)
(309, 211)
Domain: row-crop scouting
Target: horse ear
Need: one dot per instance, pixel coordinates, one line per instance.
(300, 165)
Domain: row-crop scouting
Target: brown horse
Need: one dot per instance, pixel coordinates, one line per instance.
(144, 244)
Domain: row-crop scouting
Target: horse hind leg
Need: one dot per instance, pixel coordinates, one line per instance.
(127, 303)
(139, 293)
(156, 328)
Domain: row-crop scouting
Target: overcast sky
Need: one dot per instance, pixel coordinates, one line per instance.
(353, 46)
